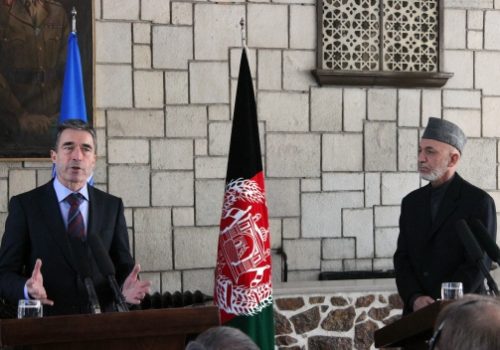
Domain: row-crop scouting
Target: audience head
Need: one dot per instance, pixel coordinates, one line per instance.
(472, 322)
(222, 338)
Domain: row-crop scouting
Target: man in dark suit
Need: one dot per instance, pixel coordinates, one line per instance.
(429, 250)
(45, 225)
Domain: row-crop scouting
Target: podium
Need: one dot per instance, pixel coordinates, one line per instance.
(145, 329)
(411, 331)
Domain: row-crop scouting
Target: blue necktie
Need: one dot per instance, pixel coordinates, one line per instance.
(76, 227)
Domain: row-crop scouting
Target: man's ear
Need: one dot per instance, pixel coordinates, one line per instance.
(53, 155)
(454, 158)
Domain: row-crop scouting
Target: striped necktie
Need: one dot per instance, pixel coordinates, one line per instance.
(76, 227)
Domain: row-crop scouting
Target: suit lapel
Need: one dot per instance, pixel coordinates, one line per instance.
(53, 219)
(19, 11)
(448, 205)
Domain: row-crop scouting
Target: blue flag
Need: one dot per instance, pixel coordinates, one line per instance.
(73, 95)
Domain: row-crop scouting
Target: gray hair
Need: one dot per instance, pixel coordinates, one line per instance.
(222, 338)
(472, 322)
(75, 124)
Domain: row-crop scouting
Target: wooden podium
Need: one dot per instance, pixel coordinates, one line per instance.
(145, 329)
(412, 331)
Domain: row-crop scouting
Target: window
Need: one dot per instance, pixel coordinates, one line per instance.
(379, 42)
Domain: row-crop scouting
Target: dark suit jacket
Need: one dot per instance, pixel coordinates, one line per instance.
(35, 229)
(429, 253)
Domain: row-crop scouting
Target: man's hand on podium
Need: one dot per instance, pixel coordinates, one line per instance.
(134, 289)
(35, 287)
(421, 302)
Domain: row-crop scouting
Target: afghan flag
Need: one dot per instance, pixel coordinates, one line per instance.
(243, 290)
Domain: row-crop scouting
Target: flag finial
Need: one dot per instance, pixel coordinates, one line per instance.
(73, 20)
(243, 38)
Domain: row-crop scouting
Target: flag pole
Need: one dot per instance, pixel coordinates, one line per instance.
(243, 37)
(73, 20)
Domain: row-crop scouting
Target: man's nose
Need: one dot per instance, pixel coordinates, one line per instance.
(77, 153)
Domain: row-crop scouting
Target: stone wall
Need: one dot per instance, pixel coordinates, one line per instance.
(337, 160)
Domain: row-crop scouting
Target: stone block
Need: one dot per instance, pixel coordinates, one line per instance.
(479, 163)
(382, 104)
(186, 121)
(472, 4)
(182, 13)
(5, 167)
(283, 197)
(101, 171)
(302, 27)
(358, 265)
(336, 146)
(310, 185)
(152, 220)
(148, 89)
(275, 233)
(461, 64)
(462, 99)
(326, 109)
(291, 227)
(172, 47)
(407, 149)
(4, 196)
(97, 10)
(195, 247)
(21, 181)
(475, 20)
(491, 111)
(141, 33)
(397, 185)
(172, 188)
(380, 146)
(385, 242)
(129, 151)
(297, 66)
(387, 216)
(308, 275)
(218, 112)
(176, 87)
(208, 82)
(170, 154)
(42, 177)
(99, 119)
(302, 254)
(202, 280)
(154, 278)
(269, 70)
(322, 212)
(372, 189)
(475, 40)
(331, 266)
(135, 123)
(219, 136)
(129, 217)
(131, 183)
(267, 25)
(383, 264)
(101, 147)
(171, 281)
(431, 105)
(113, 84)
(354, 109)
(454, 29)
(142, 57)
(183, 216)
(209, 199)
(216, 28)
(210, 167)
(487, 78)
(358, 223)
(338, 248)
(491, 30)
(284, 111)
(200, 147)
(343, 182)
(293, 155)
(115, 9)
(409, 107)
(113, 42)
(469, 120)
(157, 11)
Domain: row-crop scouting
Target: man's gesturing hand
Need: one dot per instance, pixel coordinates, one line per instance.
(35, 286)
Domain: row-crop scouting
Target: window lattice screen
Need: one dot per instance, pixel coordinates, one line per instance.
(380, 35)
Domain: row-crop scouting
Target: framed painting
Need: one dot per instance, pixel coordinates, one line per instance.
(33, 42)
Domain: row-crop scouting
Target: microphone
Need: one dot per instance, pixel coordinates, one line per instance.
(474, 252)
(107, 269)
(486, 241)
(81, 251)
